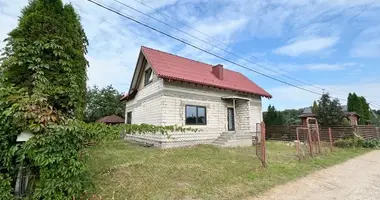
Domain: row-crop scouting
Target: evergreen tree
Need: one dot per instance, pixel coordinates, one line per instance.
(329, 111)
(45, 54)
(315, 107)
(273, 117)
(359, 105)
(365, 111)
(350, 103)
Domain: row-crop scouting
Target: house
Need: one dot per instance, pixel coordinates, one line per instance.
(352, 117)
(111, 120)
(167, 89)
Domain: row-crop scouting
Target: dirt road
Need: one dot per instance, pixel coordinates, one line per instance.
(356, 179)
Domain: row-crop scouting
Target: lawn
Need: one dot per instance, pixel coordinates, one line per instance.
(127, 171)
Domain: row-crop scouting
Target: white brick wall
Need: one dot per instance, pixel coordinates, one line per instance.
(146, 106)
(163, 103)
(177, 95)
(243, 122)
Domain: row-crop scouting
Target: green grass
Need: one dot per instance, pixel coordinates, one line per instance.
(126, 171)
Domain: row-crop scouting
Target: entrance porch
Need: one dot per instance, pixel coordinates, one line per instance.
(240, 128)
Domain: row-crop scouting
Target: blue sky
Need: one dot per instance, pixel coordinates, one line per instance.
(330, 44)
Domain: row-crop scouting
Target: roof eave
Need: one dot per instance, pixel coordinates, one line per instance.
(267, 95)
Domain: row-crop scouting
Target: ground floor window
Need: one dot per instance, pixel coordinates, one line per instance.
(129, 117)
(195, 115)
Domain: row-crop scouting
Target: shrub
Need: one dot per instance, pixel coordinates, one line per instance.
(349, 142)
(374, 143)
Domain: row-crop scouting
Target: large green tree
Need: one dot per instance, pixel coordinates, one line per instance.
(45, 54)
(291, 116)
(273, 117)
(359, 105)
(42, 84)
(103, 102)
(329, 111)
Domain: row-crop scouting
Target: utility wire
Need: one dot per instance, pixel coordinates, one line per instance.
(196, 47)
(214, 46)
(219, 41)
(228, 52)
(199, 48)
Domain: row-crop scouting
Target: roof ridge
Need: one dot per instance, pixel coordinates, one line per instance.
(178, 56)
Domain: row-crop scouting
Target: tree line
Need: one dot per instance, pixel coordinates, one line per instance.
(328, 111)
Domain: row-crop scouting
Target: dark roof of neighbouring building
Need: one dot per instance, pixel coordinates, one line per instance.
(112, 119)
(307, 112)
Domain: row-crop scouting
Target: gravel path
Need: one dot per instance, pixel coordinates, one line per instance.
(356, 179)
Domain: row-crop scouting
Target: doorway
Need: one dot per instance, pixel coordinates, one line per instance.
(231, 119)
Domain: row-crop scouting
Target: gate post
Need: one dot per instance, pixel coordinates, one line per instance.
(331, 142)
(263, 145)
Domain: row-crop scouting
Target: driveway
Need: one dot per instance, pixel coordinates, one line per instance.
(356, 179)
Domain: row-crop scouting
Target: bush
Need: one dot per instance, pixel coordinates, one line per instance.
(5, 187)
(349, 142)
(374, 143)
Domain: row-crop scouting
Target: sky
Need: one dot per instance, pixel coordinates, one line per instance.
(314, 44)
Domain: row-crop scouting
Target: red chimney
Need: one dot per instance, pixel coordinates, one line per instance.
(217, 70)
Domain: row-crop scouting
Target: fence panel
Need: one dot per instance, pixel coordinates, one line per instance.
(288, 133)
(281, 132)
(367, 131)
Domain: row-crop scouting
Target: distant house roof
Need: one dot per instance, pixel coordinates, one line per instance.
(307, 112)
(173, 67)
(304, 115)
(112, 119)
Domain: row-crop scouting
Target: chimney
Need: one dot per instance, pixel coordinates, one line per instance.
(217, 70)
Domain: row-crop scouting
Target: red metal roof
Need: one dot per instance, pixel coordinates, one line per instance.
(173, 67)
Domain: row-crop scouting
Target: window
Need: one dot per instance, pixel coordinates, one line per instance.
(195, 115)
(129, 117)
(148, 76)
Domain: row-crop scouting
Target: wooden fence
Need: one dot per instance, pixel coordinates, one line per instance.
(288, 133)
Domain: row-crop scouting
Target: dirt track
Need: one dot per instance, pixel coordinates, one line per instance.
(356, 179)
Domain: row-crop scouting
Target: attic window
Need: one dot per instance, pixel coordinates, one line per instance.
(148, 76)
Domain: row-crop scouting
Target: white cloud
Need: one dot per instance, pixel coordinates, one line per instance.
(310, 45)
(329, 67)
(367, 49)
(367, 43)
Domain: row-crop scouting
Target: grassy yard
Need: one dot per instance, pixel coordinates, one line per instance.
(127, 171)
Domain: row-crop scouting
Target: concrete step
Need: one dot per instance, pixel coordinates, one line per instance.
(229, 139)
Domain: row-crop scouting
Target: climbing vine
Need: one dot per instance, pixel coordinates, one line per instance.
(57, 151)
(42, 93)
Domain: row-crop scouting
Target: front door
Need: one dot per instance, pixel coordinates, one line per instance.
(231, 119)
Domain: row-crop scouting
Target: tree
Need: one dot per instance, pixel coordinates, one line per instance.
(329, 111)
(45, 54)
(359, 105)
(103, 102)
(377, 112)
(365, 110)
(273, 117)
(315, 107)
(291, 116)
(42, 86)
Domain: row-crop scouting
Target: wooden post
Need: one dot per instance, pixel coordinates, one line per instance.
(318, 137)
(263, 148)
(331, 143)
(298, 145)
(310, 141)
